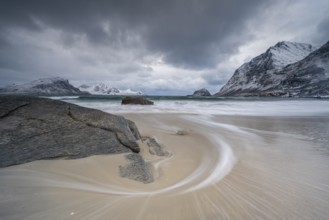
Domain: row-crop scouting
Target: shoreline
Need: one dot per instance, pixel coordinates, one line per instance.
(273, 174)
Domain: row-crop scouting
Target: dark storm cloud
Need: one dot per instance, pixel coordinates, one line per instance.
(198, 32)
(188, 33)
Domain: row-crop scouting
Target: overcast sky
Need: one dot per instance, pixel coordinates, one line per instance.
(157, 46)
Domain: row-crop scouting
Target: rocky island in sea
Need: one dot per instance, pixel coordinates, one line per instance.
(201, 92)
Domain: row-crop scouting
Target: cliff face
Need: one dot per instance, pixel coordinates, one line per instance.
(265, 71)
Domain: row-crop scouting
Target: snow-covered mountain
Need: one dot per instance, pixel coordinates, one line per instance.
(104, 89)
(306, 78)
(261, 73)
(55, 86)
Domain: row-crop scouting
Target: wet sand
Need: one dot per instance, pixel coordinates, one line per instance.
(219, 167)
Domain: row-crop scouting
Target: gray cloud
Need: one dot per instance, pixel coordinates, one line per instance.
(148, 42)
(202, 33)
(191, 34)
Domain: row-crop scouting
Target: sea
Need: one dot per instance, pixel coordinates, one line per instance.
(249, 106)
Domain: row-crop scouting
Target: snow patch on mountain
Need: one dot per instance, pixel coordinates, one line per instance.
(285, 52)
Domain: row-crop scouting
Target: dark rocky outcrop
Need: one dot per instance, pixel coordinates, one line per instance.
(37, 128)
(137, 100)
(201, 92)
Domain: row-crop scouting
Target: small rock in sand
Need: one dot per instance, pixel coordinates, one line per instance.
(137, 169)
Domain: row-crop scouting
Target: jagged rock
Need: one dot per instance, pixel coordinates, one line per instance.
(44, 87)
(133, 128)
(154, 147)
(37, 128)
(202, 92)
(136, 101)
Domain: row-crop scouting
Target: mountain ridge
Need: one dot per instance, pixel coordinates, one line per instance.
(53, 86)
(264, 74)
(308, 77)
(105, 89)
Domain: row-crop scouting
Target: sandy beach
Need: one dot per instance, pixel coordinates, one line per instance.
(218, 167)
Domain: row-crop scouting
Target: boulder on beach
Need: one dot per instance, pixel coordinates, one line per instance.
(34, 128)
(136, 101)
